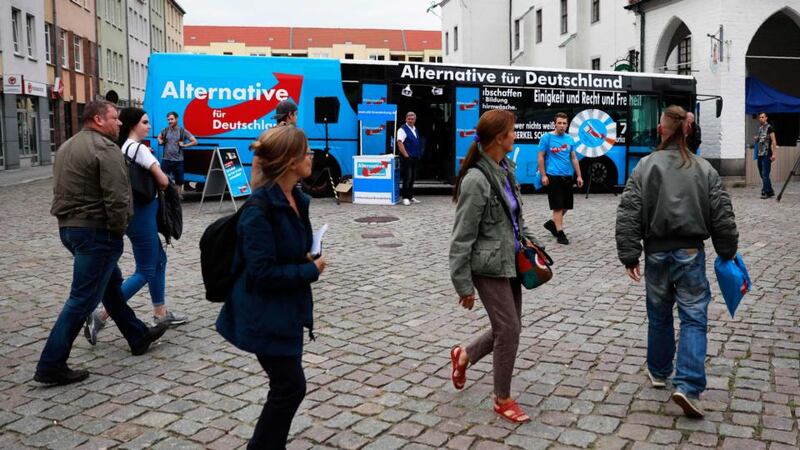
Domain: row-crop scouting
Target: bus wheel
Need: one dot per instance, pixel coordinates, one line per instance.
(601, 171)
(325, 169)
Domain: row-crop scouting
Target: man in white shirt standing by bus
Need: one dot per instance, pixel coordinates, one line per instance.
(410, 151)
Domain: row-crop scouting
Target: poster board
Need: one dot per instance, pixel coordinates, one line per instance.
(226, 175)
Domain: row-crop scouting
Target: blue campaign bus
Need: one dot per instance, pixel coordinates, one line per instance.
(227, 101)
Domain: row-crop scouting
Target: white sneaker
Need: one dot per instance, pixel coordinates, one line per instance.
(407, 202)
(414, 200)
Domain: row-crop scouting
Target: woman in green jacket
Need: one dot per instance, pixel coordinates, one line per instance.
(483, 246)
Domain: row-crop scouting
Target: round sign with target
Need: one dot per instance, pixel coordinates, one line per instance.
(594, 131)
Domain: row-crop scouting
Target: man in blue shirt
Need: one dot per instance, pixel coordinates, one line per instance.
(558, 164)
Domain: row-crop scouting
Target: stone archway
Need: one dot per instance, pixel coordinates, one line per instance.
(675, 41)
(773, 55)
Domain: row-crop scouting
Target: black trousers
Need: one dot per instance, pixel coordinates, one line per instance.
(287, 387)
(408, 169)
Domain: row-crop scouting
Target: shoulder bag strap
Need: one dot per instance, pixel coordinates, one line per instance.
(499, 196)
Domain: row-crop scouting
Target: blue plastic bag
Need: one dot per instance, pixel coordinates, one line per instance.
(734, 281)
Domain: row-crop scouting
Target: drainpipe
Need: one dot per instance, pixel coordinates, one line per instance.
(641, 40)
(510, 31)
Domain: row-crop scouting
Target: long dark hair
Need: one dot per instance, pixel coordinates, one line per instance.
(674, 128)
(491, 124)
(129, 118)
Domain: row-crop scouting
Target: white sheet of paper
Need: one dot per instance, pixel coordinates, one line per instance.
(316, 245)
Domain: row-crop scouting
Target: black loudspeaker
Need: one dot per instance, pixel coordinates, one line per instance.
(326, 109)
(112, 96)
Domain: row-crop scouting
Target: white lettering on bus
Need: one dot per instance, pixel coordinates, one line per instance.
(185, 90)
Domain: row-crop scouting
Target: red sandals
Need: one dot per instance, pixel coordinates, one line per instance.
(458, 380)
(511, 411)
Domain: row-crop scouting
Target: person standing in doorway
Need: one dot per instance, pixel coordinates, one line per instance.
(558, 165)
(174, 139)
(92, 201)
(693, 133)
(672, 202)
(765, 150)
(408, 143)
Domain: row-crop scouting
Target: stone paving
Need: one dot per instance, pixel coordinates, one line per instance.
(386, 316)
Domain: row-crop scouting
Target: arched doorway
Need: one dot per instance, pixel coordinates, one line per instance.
(674, 50)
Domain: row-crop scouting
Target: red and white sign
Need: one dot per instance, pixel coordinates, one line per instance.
(35, 88)
(58, 87)
(12, 83)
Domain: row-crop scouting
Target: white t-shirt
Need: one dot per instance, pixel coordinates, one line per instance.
(401, 133)
(144, 158)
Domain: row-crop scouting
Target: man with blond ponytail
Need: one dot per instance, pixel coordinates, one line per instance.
(674, 201)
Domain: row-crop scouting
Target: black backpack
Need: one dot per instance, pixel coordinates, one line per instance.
(217, 250)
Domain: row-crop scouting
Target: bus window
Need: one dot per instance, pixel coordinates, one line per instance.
(643, 123)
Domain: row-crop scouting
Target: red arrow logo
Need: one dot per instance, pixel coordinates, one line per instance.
(375, 170)
(200, 119)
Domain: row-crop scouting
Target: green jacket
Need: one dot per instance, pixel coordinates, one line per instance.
(669, 207)
(91, 188)
(483, 238)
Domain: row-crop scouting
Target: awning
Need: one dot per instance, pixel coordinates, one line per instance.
(761, 97)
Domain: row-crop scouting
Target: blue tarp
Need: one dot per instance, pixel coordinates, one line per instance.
(761, 97)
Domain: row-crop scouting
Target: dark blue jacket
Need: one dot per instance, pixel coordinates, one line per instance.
(271, 300)
(412, 144)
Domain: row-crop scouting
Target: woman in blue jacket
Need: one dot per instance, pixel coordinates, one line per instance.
(271, 300)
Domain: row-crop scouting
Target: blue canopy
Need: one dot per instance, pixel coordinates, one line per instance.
(761, 97)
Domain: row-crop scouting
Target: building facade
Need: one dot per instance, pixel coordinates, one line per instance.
(112, 50)
(339, 43)
(157, 25)
(173, 25)
(25, 120)
(139, 33)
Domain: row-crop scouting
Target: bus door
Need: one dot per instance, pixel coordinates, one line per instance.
(643, 117)
(432, 105)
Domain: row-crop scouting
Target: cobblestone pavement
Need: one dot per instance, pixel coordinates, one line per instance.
(386, 316)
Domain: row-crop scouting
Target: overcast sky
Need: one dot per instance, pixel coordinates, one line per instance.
(407, 14)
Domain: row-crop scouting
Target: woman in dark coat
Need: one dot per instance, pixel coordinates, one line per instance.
(271, 300)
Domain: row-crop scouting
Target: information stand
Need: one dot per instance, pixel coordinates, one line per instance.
(376, 180)
(226, 176)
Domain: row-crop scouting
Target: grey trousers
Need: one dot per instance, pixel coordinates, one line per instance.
(502, 298)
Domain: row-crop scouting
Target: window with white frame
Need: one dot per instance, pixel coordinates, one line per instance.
(538, 25)
(685, 56)
(564, 17)
(109, 66)
(30, 28)
(78, 47)
(48, 42)
(16, 32)
(62, 41)
(595, 11)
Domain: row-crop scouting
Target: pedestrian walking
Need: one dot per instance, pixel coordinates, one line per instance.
(151, 260)
(483, 245)
(674, 201)
(92, 201)
(558, 165)
(175, 138)
(271, 301)
(286, 113)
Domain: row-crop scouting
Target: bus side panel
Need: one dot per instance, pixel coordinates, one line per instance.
(467, 115)
(245, 92)
(526, 157)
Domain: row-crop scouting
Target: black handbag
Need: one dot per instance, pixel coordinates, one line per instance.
(143, 185)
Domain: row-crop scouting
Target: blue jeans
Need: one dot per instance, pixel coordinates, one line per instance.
(151, 261)
(173, 169)
(678, 276)
(764, 168)
(95, 277)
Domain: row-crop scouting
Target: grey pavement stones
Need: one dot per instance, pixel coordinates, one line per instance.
(385, 319)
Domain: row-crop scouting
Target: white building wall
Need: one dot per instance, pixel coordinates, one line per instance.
(32, 68)
(482, 31)
(138, 47)
(723, 138)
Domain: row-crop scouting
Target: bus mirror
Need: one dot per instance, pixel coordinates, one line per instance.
(719, 106)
